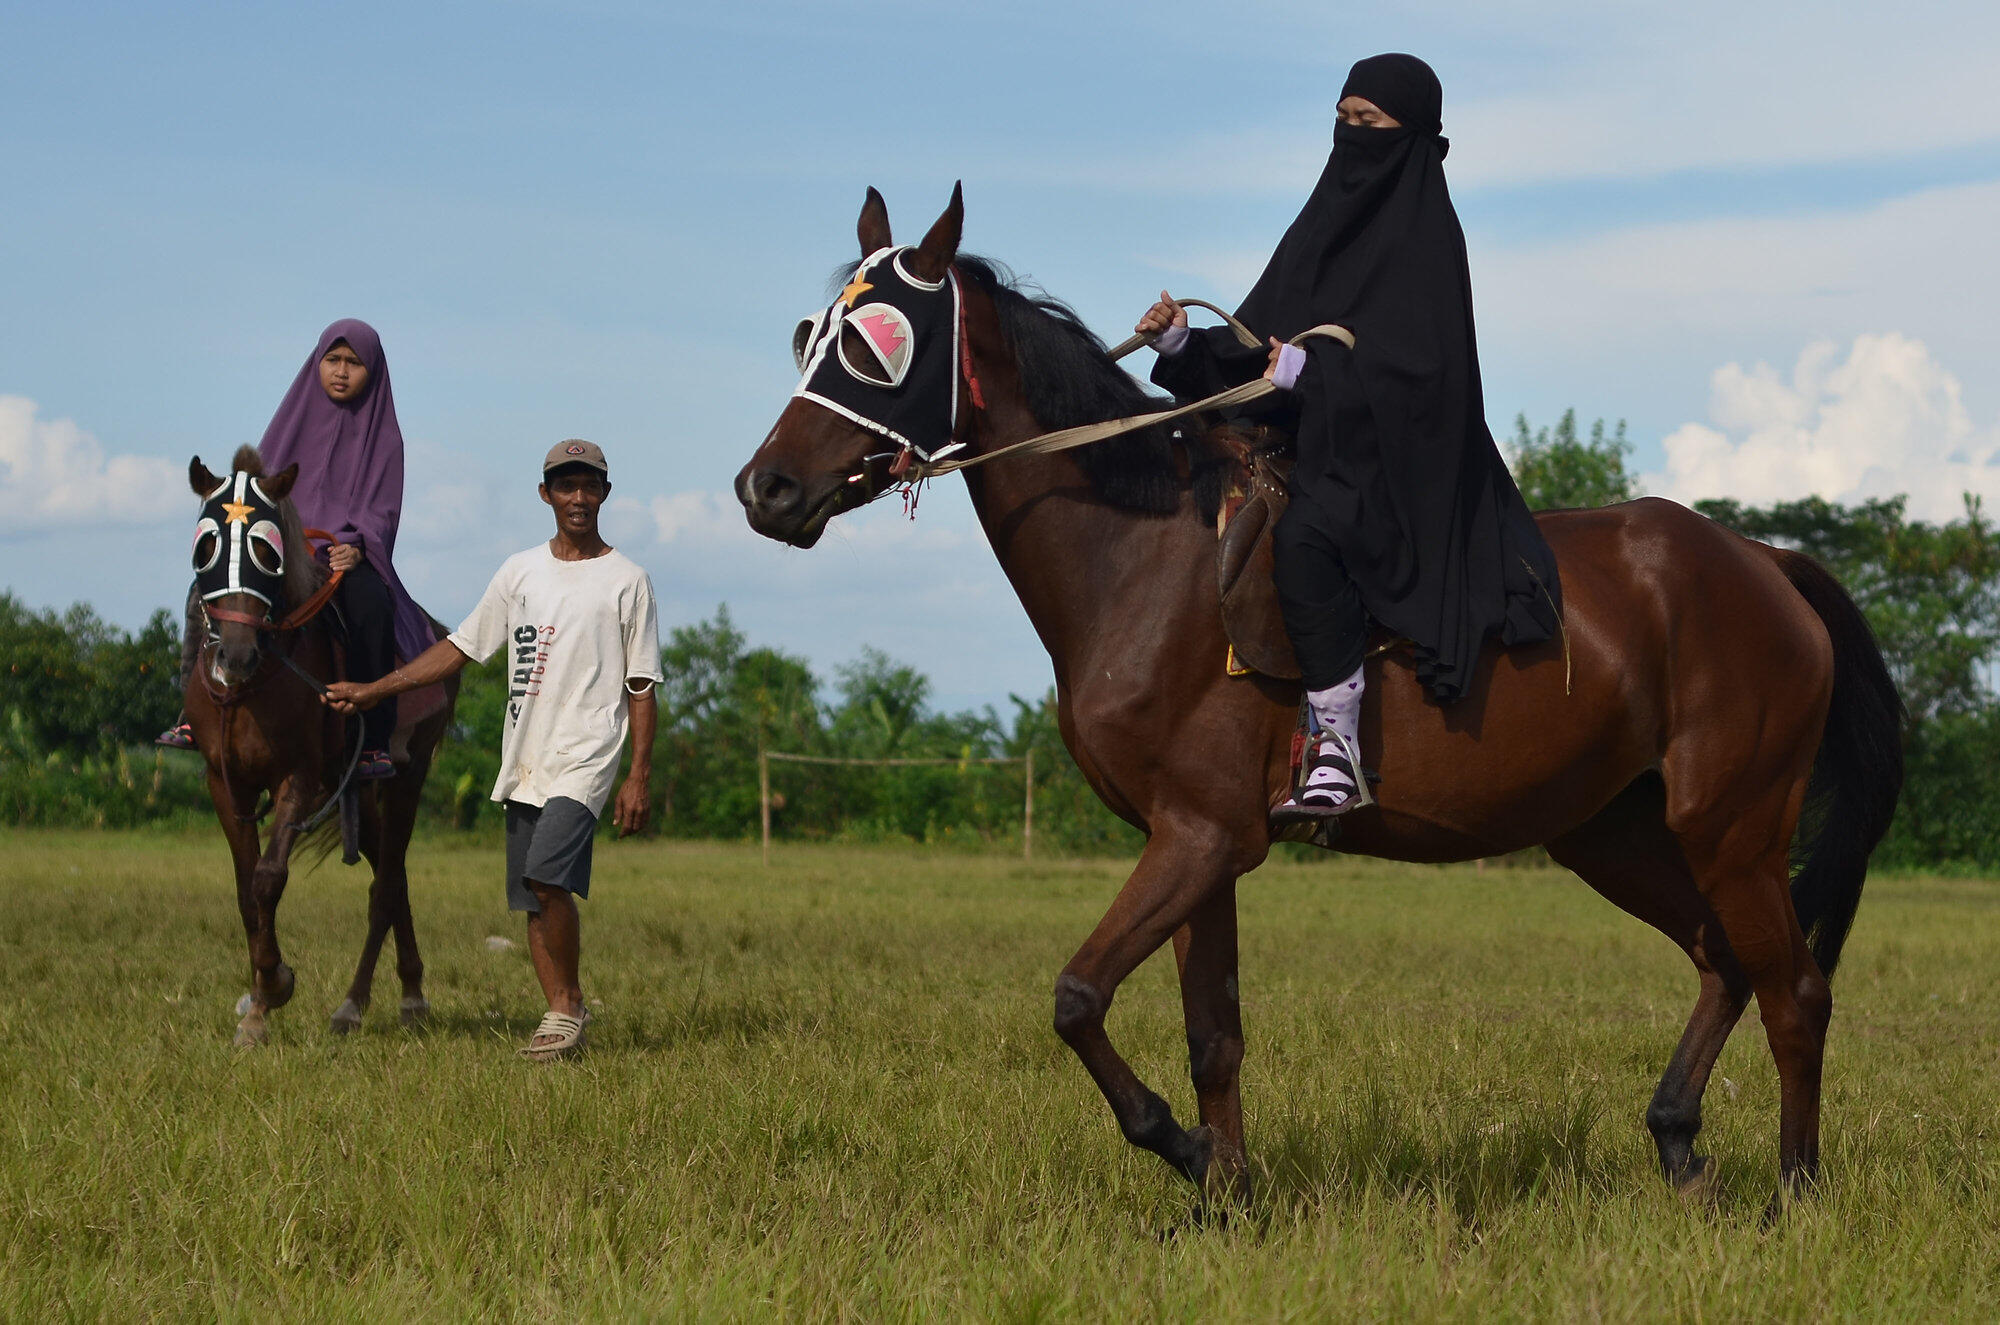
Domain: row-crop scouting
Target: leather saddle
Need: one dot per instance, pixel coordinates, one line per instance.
(1254, 495)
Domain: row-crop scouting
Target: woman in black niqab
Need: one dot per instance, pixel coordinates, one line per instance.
(1402, 509)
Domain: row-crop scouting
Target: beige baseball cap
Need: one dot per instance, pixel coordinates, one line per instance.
(576, 451)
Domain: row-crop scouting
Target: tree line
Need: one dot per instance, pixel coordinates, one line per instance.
(80, 701)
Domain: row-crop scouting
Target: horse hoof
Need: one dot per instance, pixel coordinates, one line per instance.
(251, 1032)
(347, 1017)
(1697, 1181)
(416, 1011)
(1201, 1153)
(1791, 1190)
(244, 1004)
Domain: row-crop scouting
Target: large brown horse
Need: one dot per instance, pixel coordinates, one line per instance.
(1721, 689)
(253, 702)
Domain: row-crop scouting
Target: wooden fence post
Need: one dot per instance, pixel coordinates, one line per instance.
(764, 799)
(1028, 811)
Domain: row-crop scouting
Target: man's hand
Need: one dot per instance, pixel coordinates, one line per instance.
(633, 809)
(343, 556)
(351, 696)
(1162, 315)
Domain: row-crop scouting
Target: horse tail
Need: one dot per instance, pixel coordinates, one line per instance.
(1857, 774)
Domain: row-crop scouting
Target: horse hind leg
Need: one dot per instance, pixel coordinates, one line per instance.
(1205, 952)
(400, 802)
(388, 821)
(1795, 1004)
(1627, 854)
(1740, 853)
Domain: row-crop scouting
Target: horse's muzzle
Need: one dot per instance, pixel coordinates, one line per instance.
(779, 506)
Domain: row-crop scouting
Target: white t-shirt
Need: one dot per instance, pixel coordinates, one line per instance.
(574, 631)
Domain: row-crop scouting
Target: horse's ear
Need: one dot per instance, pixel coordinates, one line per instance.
(277, 485)
(200, 479)
(873, 227)
(935, 255)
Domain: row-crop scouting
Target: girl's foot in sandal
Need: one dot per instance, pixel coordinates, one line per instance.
(374, 764)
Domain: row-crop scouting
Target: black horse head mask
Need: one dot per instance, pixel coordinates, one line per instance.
(239, 542)
(885, 354)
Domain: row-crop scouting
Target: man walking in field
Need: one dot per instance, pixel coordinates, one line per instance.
(583, 639)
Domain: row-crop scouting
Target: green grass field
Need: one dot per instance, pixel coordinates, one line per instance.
(831, 1090)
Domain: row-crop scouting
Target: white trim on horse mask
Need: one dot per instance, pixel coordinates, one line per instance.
(889, 362)
(239, 546)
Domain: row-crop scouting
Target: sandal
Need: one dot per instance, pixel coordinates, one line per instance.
(1330, 783)
(568, 1033)
(374, 765)
(180, 736)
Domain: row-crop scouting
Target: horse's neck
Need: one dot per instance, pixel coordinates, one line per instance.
(1071, 557)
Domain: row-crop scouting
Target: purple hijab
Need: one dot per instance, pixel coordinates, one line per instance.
(350, 459)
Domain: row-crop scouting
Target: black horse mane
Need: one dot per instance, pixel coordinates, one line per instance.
(1070, 379)
(303, 575)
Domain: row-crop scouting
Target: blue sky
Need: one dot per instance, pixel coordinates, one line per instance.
(1759, 233)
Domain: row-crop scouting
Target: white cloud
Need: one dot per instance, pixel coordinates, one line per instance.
(1886, 419)
(52, 473)
(1539, 93)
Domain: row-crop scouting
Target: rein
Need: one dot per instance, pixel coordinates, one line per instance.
(911, 470)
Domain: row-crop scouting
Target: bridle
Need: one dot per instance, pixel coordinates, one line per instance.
(228, 698)
(909, 471)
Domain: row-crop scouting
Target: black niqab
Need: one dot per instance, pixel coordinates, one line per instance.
(1394, 451)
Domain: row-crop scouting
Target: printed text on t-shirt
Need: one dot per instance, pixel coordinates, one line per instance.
(531, 660)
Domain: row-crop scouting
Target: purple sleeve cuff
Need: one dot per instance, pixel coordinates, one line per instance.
(1171, 341)
(1291, 362)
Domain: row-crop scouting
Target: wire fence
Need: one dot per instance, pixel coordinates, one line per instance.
(766, 757)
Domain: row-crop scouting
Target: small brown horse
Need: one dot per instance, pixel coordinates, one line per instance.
(253, 703)
(1721, 689)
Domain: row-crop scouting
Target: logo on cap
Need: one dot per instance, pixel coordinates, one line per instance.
(574, 448)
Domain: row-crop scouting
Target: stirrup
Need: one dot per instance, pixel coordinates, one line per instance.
(1310, 803)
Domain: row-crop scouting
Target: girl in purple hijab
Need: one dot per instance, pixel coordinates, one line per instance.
(338, 424)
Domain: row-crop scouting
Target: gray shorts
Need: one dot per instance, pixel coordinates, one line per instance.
(551, 845)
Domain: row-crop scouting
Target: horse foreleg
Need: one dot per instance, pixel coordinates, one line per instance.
(1183, 866)
(272, 981)
(1205, 951)
(241, 831)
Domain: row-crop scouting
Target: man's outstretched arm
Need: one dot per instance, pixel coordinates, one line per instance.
(442, 659)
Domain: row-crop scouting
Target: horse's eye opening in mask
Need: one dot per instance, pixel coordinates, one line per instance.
(855, 357)
(876, 344)
(267, 548)
(803, 337)
(207, 545)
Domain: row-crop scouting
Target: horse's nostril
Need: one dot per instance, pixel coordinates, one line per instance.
(772, 492)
